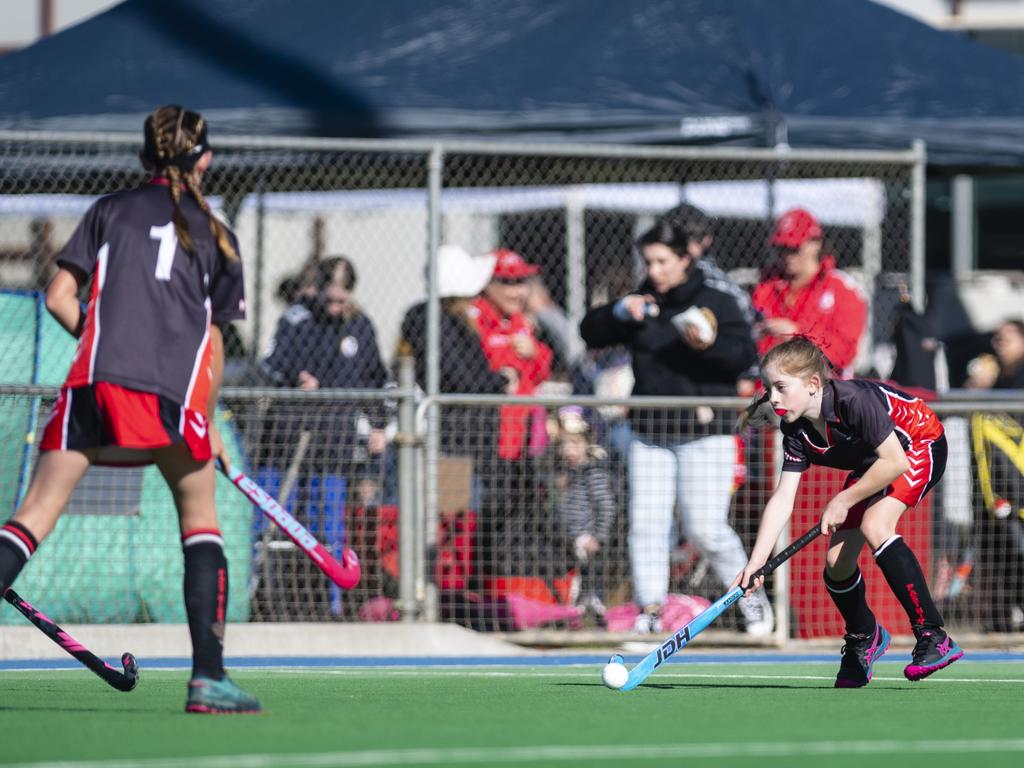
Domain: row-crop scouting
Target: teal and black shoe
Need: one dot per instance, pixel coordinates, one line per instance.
(860, 653)
(935, 650)
(219, 697)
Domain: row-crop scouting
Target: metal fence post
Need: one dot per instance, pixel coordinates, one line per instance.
(576, 258)
(783, 606)
(962, 225)
(435, 173)
(917, 225)
(257, 319)
(408, 539)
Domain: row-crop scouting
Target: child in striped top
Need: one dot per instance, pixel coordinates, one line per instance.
(586, 504)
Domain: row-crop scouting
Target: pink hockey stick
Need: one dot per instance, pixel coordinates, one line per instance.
(345, 574)
(123, 681)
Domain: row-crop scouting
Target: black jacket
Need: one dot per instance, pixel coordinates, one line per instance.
(464, 369)
(340, 354)
(665, 365)
(463, 365)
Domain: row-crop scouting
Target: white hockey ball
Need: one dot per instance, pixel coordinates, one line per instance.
(614, 675)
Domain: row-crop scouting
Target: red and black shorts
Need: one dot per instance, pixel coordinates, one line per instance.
(105, 415)
(927, 463)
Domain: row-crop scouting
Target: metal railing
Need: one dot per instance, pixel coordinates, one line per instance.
(403, 519)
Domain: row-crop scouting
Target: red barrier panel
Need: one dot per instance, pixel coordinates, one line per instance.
(813, 613)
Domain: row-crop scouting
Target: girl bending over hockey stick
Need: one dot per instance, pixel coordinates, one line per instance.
(895, 450)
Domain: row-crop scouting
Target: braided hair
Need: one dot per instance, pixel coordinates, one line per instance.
(175, 140)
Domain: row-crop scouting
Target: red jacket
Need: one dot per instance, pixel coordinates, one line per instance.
(831, 310)
(496, 334)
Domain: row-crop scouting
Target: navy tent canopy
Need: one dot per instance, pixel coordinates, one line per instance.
(812, 73)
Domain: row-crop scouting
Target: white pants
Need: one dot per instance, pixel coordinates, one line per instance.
(699, 475)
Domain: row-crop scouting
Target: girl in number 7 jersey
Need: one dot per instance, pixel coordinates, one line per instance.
(164, 275)
(894, 447)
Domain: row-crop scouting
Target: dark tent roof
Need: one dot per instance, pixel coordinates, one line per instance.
(821, 73)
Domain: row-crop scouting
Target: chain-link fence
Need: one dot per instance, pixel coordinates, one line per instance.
(513, 529)
(612, 507)
(573, 212)
(978, 519)
(606, 513)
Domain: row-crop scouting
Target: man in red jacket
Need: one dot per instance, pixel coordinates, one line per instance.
(512, 538)
(510, 344)
(810, 296)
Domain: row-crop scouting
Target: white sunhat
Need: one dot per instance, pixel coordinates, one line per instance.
(459, 274)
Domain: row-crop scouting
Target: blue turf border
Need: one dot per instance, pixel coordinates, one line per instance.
(296, 662)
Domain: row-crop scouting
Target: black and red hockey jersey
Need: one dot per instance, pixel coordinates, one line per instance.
(859, 415)
(151, 303)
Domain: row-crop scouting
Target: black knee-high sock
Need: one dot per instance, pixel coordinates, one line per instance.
(206, 600)
(16, 546)
(901, 569)
(849, 595)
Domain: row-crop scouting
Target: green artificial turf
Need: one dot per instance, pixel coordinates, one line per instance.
(687, 714)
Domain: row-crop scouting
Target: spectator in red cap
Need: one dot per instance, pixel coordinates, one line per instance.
(509, 342)
(512, 267)
(808, 295)
(510, 539)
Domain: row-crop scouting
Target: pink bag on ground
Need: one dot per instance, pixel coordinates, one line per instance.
(527, 612)
(620, 618)
(379, 609)
(678, 611)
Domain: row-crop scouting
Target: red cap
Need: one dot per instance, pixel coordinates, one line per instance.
(795, 227)
(511, 266)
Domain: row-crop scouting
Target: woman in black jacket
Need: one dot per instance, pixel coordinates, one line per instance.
(467, 430)
(687, 339)
(463, 366)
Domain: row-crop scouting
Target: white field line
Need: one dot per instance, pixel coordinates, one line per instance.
(548, 754)
(574, 671)
(595, 674)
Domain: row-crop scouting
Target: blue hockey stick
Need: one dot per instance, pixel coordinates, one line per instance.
(681, 638)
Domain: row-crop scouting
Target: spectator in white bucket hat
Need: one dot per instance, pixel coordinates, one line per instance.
(466, 431)
(463, 366)
(460, 275)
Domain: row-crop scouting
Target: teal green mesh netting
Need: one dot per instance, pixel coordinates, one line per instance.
(115, 556)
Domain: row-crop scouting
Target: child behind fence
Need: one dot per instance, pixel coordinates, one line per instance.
(586, 504)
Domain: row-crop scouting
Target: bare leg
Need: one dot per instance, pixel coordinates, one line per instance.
(206, 582)
(880, 520)
(54, 480)
(843, 551)
(55, 477)
(192, 485)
